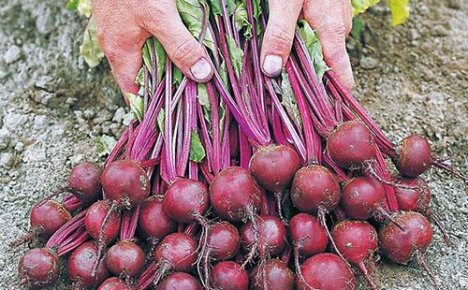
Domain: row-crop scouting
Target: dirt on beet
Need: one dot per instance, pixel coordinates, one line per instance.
(54, 110)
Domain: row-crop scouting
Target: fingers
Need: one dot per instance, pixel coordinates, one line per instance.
(332, 20)
(163, 21)
(279, 35)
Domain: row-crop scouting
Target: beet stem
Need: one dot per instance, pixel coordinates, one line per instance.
(385, 214)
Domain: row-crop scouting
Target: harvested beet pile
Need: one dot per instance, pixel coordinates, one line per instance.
(243, 182)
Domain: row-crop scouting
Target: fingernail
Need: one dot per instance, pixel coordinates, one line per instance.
(201, 70)
(272, 65)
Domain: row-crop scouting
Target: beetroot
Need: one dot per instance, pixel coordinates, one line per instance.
(229, 275)
(38, 268)
(114, 283)
(177, 252)
(234, 194)
(414, 156)
(277, 276)
(351, 144)
(223, 241)
(153, 221)
(274, 166)
(179, 281)
(102, 223)
(45, 219)
(272, 236)
(81, 263)
(315, 188)
(326, 271)
(357, 242)
(363, 198)
(402, 246)
(85, 182)
(308, 235)
(125, 259)
(417, 199)
(125, 183)
(186, 200)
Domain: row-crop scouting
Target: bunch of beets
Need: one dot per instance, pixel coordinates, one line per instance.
(245, 182)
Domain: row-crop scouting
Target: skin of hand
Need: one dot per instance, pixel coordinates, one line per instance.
(332, 19)
(123, 27)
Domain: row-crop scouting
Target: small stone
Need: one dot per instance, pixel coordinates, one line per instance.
(455, 4)
(12, 54)
(14, 121)
(5, 138)
(45, 83)
(89, 114)
(102, 117)
(35, 153)
(7, 160)
(413, 35)
(119, 115)
(19, 147)
(439, 31)
(40, 122)
(3, 74)
(368, 62)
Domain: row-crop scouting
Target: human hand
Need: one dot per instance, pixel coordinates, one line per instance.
(332, 19)
(123, 27)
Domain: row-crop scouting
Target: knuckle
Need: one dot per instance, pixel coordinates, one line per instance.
(184, 51)
(280, 40)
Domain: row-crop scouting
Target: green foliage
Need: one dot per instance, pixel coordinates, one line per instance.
(90, 49)
(314, 47)
(400, 11)
(236, 56)
(104, 145)
(136, 105)
(197, 152)
(360, 6)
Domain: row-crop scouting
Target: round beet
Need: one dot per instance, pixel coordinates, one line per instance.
(85, 182)
(362, 198)
(326, 271)
(46, 218)
(357, 241)
(399, 246)
(274, 166)
(234, 194)
(308, 234)
(38, 268)
(114, 283)
(277, 276)
(417, 199)
(229, 275)
(125, 183)
(81, 263)
(176, 251)
(125, 259)
(153, 221)
(223, 241)
(186, 200)
(315, 187)
(351, 144)
(414, 156)
(179, 281)
(271, 236)
(96, 224)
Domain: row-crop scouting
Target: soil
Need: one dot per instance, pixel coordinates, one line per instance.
(53, 109)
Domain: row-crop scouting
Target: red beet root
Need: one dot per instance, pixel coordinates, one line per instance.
(357, 242)
(81, 263)
(414, 156)
(114, 283)
(177, 252)
(45, 219)
(38, 268)
(315, 187)
(272, 236)
(234, 193)
(308, 234)
(274, 166)
(363, 198)
(125, 259)
(277, 273)
(186, 200)
(153, 221)
(326, 271)
(178, 281)
(223, 241)
(351, 144)
(85, 182)
(125, 183)
(96, 224)
(413, 199)
(229, 275)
